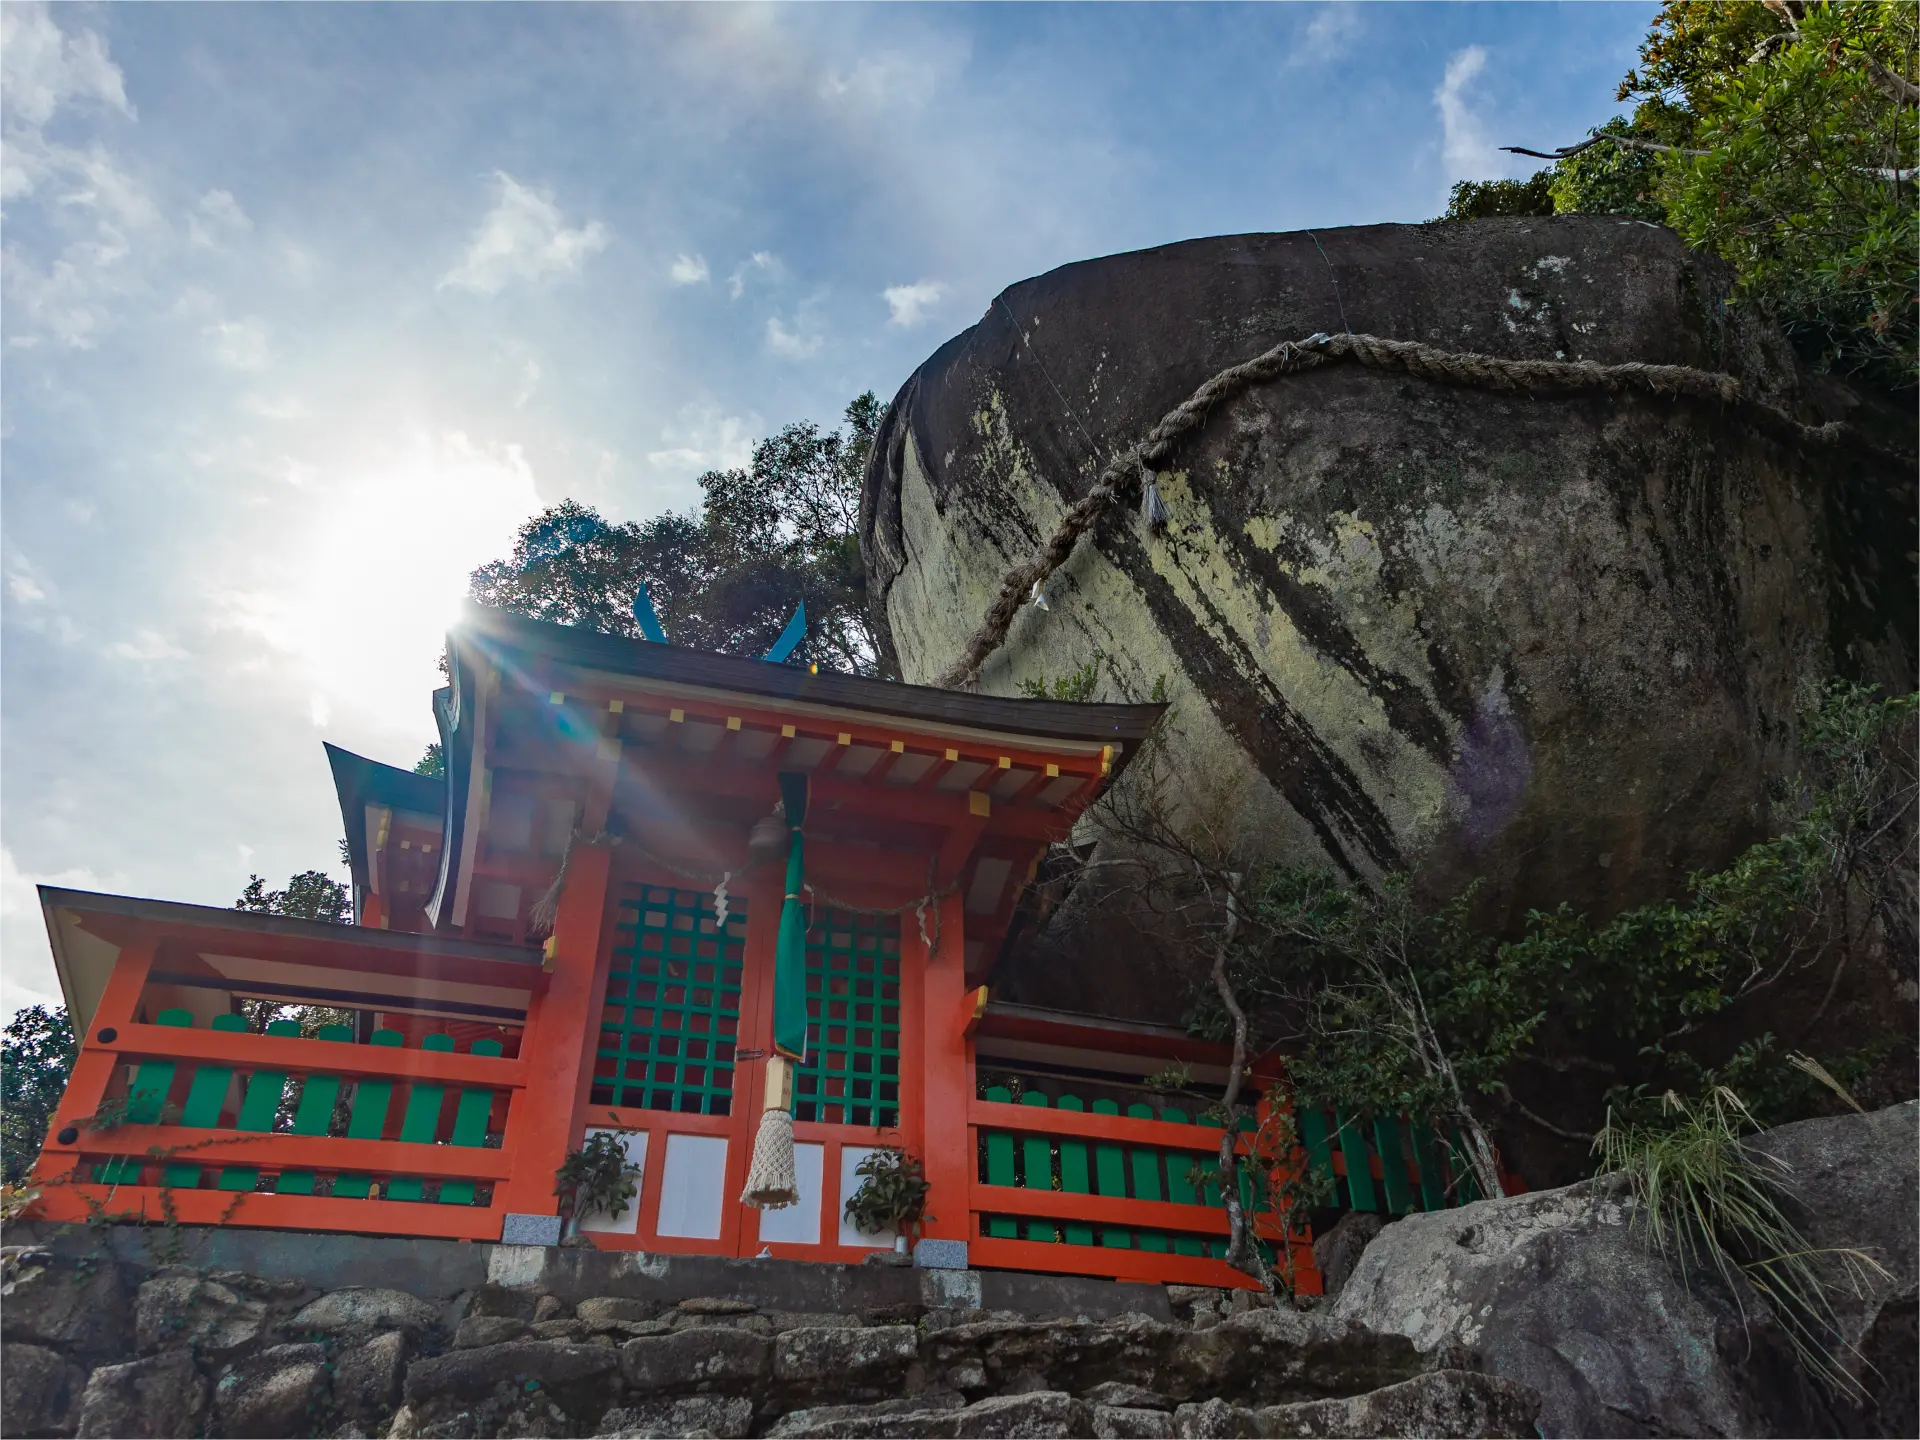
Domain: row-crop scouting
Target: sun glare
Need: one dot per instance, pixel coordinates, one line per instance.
(373, 589)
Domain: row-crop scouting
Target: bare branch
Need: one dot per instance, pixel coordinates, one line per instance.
(1626, 142)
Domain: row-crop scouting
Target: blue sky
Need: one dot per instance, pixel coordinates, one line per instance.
(306, 307)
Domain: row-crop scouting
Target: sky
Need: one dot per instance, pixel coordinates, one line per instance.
(304, 308)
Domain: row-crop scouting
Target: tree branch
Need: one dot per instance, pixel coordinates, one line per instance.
(1624, 141)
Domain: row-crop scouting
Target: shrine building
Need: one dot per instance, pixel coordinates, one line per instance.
(579, 929)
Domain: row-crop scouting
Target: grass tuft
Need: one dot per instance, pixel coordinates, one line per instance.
(1706, 1198)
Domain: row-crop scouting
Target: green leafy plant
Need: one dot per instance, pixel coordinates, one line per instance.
(892, 1194)
(596, 1179)
(1706, 1199)
(1078, 686)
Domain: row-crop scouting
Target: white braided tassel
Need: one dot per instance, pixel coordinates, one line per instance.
(1153, 510)
(772, 1181)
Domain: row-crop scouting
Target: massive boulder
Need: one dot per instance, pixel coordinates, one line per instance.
(1555, 641)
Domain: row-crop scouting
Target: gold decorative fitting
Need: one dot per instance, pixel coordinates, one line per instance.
(1006, 762)
(1053, 772)
(676, 716)
(952, 756)
(557, 697)
(978, 803)
(547, 953)
(787, 732)
(846, 738)
(899, 747)
(616, 707)
(733, 722)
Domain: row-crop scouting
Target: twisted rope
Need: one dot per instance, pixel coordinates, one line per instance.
(1447, 367)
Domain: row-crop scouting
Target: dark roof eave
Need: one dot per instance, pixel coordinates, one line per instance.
(616, 654)
(250, 922)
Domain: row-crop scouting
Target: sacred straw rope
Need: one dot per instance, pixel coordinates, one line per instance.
(1449, 367)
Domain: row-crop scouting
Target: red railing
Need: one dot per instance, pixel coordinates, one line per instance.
(222, 1126)
(1069, 1190)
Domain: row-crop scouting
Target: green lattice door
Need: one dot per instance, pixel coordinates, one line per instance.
(852, 1074)
(670, 1020)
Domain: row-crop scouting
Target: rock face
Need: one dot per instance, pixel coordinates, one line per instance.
(1554, 642)
(1557, 1291)
(1854, 1178)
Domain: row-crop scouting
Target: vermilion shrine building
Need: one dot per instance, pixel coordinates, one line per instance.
(610, 787)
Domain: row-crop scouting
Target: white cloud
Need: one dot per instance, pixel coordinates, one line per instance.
(529, 382)
(909, 303)
(689, 270)
(761, 262)
(706, 439)
(93, 208)
(1326, 37)
(29, 977)
(1465, 149)
(795, 344)
(239, 343)
(42, 69)
(218, 217)
(146, 647)
(524, 237)
(22, 584)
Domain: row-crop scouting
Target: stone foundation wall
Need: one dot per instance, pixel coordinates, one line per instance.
(552, 1343)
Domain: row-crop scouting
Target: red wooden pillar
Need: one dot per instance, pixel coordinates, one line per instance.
(93, 1069)
(559, 1044)
(946, 1079)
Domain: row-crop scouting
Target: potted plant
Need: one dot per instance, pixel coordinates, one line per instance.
(598, 1178)
(892, 1196)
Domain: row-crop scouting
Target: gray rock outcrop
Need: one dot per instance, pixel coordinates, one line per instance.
(1558, 643)
(1559, 1291)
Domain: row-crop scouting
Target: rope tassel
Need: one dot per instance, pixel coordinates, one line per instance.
(772, 1181)
(1153, 510)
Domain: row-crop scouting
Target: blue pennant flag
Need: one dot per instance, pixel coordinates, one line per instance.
(790, 637)
(649, 622)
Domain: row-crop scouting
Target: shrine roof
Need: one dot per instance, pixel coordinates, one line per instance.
(360, 782)
(515, 637)
(271, 955)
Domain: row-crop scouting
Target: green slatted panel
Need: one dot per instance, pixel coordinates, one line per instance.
(1466, 1189)
(1210, 1190)
(1036, 1164)
(206, 1097)
(422, 1123)
(1433, 1185)
(372, 1099)
(1353, 1145)
(1147, 1166)
(265, 1090)
(470, 1126)
(1110, 1176)
(146, 1101)
(315, 1111)
(1313, 1135)
(1179, 1187)
(1000, 1166)
(852, 1074)
(1074, 1177)
(1389, 1138)
(672, 1011)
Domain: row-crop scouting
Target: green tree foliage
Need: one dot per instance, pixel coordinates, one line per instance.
(310, 895)
(1386, 1004)
(36, 1054)
(1477, 199)
(727, 576)
(433, 763)
(1785, 139)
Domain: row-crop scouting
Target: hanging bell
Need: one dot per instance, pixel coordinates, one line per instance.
(768, 838)
(1153, 510)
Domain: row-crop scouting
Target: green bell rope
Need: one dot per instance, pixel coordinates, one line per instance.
(790, 951)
